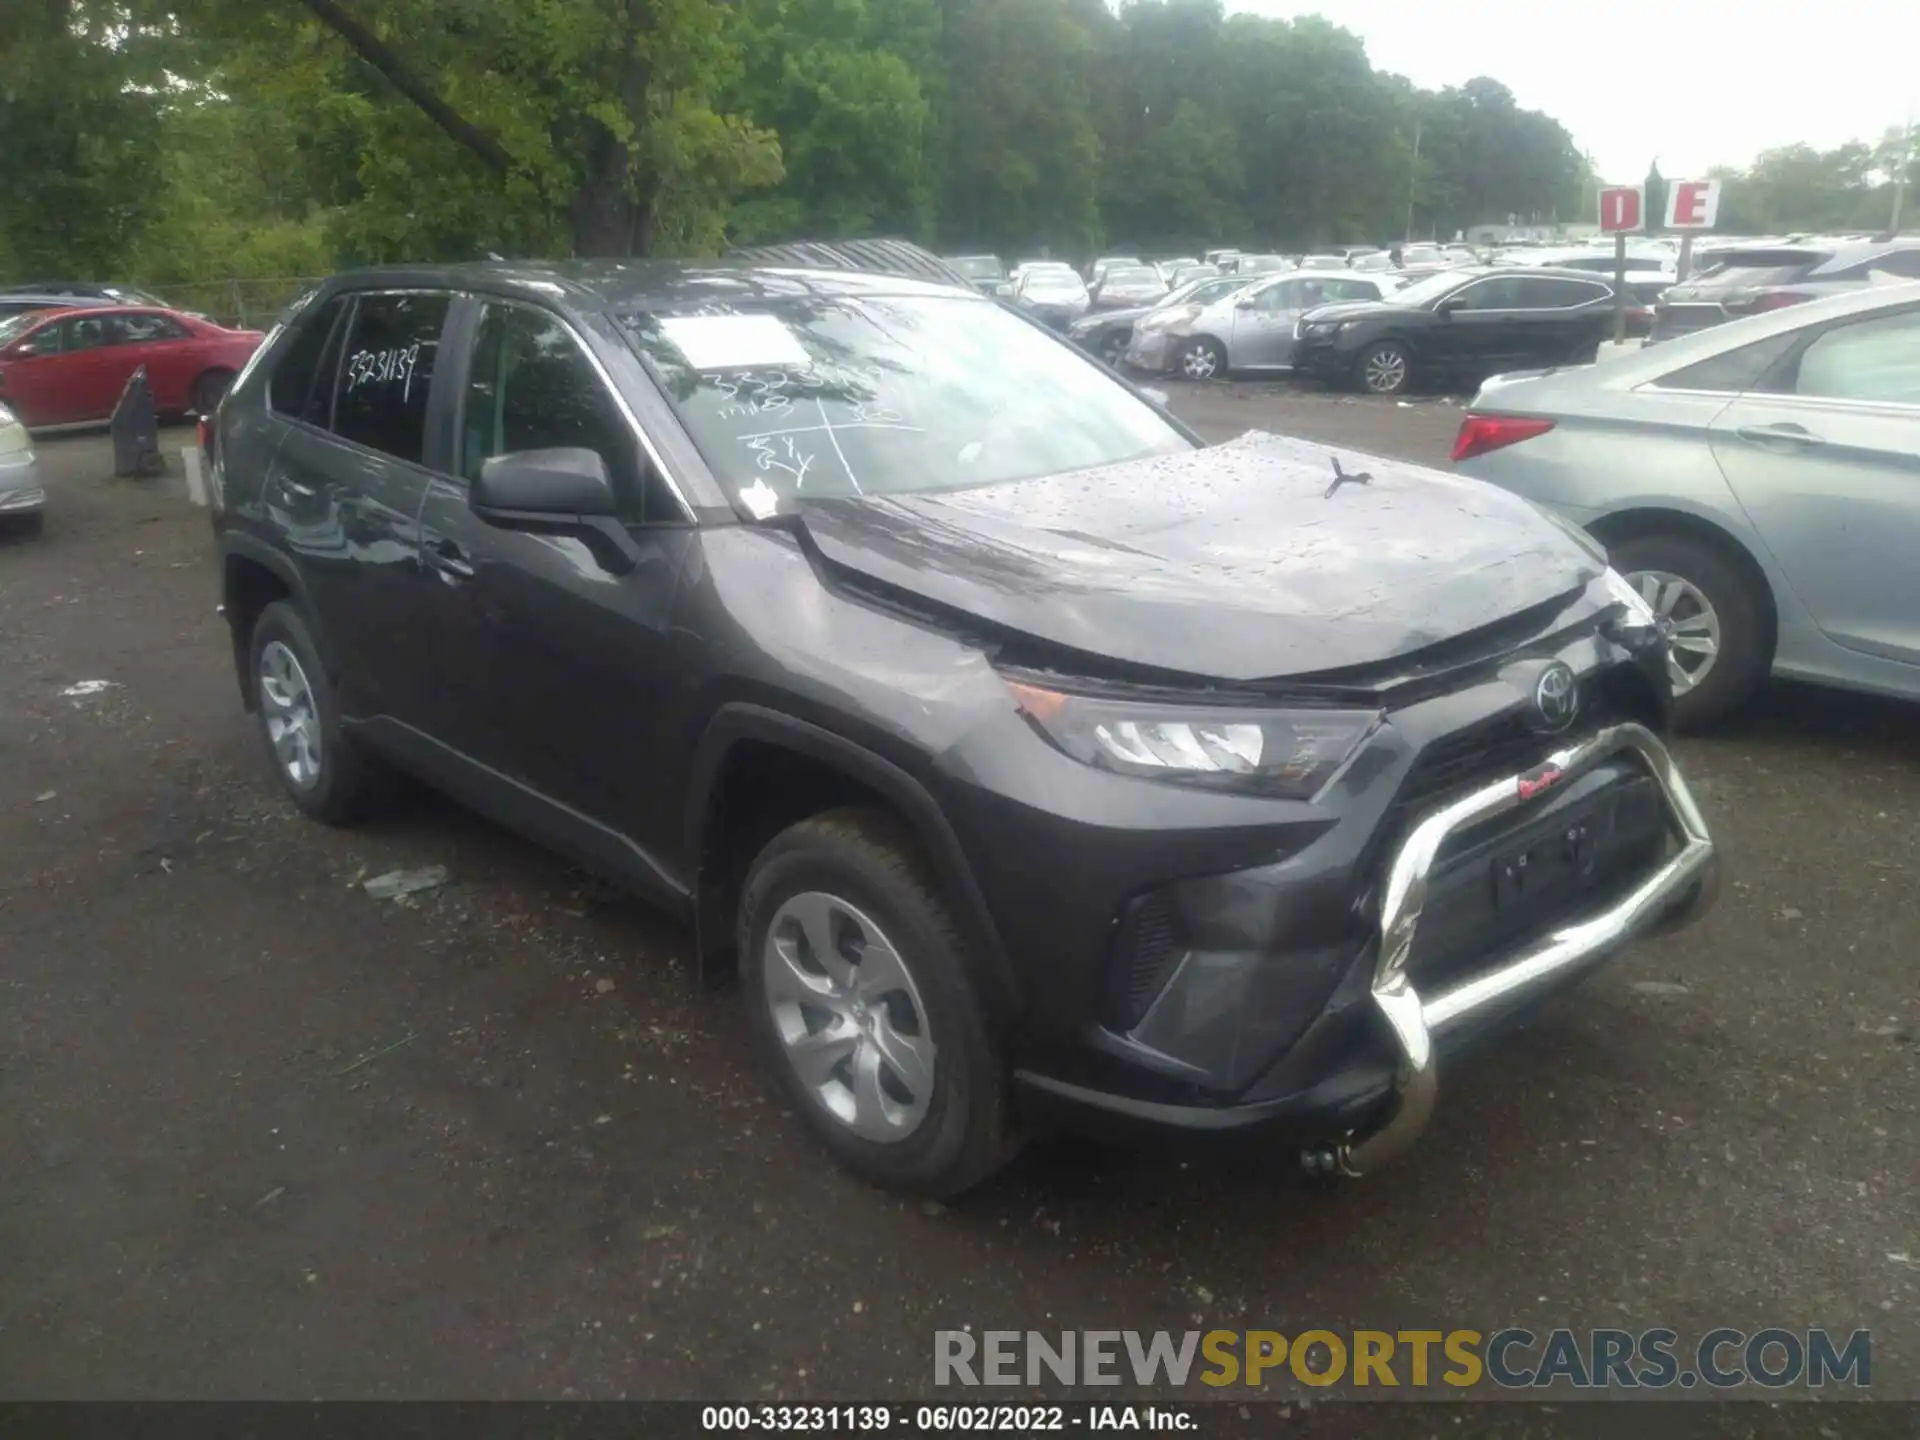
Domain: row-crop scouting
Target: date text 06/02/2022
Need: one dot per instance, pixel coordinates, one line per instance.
(927, 1419)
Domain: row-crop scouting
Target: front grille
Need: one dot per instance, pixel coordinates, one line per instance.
(1146, 949)
(1503, 745)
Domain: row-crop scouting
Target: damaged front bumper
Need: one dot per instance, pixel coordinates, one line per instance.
(1367, 1069)
(1677, 892)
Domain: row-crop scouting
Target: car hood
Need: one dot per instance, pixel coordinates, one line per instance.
(1109, 317)
(1234, 563)
(1358, 310)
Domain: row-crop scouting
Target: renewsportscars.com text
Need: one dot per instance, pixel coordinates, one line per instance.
(1514, 1359)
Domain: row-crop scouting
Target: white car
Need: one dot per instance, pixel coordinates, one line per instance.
(23, 499)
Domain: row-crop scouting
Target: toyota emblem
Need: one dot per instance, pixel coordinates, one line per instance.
(1556, 698)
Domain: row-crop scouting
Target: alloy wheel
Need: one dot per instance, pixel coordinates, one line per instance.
(849, 1015)
(1113, 350)
(1199, 362)
(293, 723)
(1385, 371)
(1692, 624)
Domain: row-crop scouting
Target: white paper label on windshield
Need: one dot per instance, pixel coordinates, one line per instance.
(733, 342)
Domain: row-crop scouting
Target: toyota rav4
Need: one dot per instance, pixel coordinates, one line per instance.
(1025, 757)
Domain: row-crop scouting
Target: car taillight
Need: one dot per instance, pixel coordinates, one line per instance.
(206, 434)
(1481, 433)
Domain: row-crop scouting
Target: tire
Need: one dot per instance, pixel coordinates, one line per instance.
(1112, 349)
(1383, 368)
(345, 782)
(1201, 358)
(209, 390)
(1737, 619)
(24, 527)
(955, 1132)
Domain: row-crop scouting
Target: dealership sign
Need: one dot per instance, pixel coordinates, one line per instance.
(1692, 204)
(1620, 209)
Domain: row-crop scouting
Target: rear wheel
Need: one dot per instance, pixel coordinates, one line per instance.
(324, 770)
(1384, 368)
(1201, 358)
(858, 994)
(1721, 641)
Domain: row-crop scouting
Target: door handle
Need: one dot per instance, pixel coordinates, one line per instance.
(1786, 431)
(449, 561)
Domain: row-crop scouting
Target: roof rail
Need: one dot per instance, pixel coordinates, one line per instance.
(877, 257)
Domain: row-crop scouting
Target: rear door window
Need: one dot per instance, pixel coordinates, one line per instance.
(144, 329)
(294, 389)
(1547, 293)
(1731, 371)
(386, 370)
(1874, 361)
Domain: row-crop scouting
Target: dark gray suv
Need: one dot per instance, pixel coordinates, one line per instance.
(1026, 758)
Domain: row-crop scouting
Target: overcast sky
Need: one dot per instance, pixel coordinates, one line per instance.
(1719, 80)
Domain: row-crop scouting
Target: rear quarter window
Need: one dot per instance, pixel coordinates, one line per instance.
(291, 387)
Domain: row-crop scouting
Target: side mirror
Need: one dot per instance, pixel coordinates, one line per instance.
(1446, 307)
(25, 350)
(1246, 302)
(563, 481)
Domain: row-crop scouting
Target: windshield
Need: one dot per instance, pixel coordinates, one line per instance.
(885, 394)
(1432, 287)
(977, 267)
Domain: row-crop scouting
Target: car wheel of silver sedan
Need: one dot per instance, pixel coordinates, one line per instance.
(1714, 606)
(1692, 625)
(1202, 359)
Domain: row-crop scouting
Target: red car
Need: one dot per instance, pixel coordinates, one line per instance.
(67, 367)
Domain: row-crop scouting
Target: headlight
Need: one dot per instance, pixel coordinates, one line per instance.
(1167, 319)
(1289, 754)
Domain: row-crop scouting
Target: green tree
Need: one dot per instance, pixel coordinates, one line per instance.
(79, 99)
(842, 82)
(1021, 155)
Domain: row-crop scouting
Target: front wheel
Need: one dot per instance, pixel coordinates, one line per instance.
(1201, 358)
(1384, 368)
(1113, 348)
(860, 1002)
(1721, 644)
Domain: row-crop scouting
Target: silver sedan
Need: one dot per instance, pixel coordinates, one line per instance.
(23, 498)
(1758, 482)
(1251, 329)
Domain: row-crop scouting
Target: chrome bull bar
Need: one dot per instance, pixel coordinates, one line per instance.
(1415, 1022)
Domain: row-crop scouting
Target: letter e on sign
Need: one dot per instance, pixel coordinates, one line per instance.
(1620, 208)
(1693, 204)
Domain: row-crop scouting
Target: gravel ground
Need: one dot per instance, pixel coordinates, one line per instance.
(268, 1137)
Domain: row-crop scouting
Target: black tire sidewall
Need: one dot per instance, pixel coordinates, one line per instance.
(1746, 644)
(1406, 366)
(221, 379)
(343, 780)
(857, 856)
